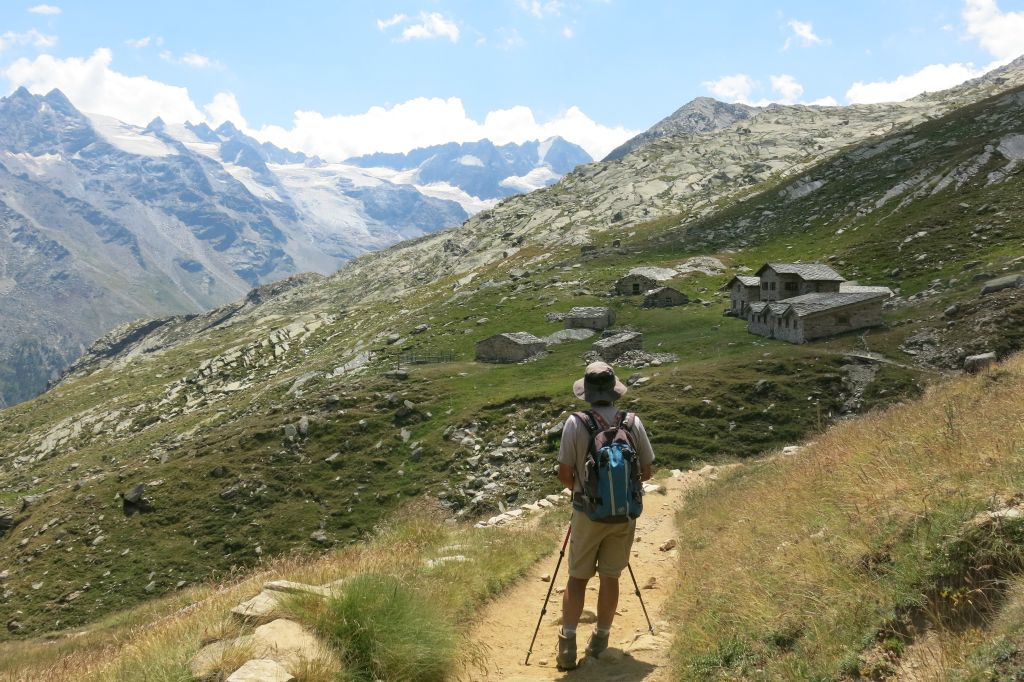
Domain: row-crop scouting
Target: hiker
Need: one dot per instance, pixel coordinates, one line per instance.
(596, 546)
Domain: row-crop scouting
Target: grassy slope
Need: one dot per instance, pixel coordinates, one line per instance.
(831, 563)
(285, 489)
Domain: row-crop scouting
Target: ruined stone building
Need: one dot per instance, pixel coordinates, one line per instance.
(509, 347)
(665, 297)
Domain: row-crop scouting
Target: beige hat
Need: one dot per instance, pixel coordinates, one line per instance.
(599, 384)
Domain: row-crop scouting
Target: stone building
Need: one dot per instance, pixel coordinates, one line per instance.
(743, 290)
(612, 347)
(665, 297)
(785, 280)
(635, 284)
(589, 318)
(813, 316)
(509, 347)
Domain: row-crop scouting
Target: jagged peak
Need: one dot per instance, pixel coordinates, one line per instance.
(156, 125)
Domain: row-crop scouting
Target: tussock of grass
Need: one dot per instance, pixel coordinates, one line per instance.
(832, 563)
(426, 614)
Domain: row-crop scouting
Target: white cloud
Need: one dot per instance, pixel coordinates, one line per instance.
(44, 9)
(94, 87)
(803, 34)
(509, 39)
(30, 37)
(384, 24)
(224, 107)
(430, 25)
(735, 88)
(999, 33)
(139, 43)
(192, 59)
(567, 32)
(740, 88)
(541, 9)
(787, 87)
(929, 79)
(422, 122)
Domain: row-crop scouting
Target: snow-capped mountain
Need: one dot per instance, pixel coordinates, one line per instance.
(478, 173)
(102, 222)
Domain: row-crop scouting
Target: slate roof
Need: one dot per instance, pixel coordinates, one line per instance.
(858, 288)
(588, 312)
(521, 338)
(809, 272)
(745, 280)
(812, 304)
(654, 292)
(615, 340)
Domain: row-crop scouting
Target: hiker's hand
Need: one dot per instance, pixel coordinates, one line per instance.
(565, 475)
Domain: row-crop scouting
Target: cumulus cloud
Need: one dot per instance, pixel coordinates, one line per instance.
(740, 87)
(735, 88)
(30, 37)
(999, 33)
(94, 87)
(803, 35)
(224, 107)
(929, 79)
(424, 121)
(44, 9)
(428, 26)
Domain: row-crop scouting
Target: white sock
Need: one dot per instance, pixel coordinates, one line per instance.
(568, 631)
(604, 631)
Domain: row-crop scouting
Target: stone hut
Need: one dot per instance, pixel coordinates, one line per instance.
(589, 318)
(813, 316)
(785, 280)
(635, 284)
(743, 290)
(613, 346)
(509, 347)
(665, 297)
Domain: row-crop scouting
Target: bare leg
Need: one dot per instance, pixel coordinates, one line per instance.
(607, 601)
(572, 601)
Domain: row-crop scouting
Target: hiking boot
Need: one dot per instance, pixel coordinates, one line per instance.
(598, 643)
(566, 659)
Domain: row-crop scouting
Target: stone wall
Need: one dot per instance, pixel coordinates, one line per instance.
(634, 285)
(860, 316)
(500, 350)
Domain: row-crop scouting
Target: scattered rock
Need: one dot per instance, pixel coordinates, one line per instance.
(134, 495)
(303, 426)
(290, 431)
(1000, 283)
(419, 329)
(320, 537)
(668, 545)
(975, 363)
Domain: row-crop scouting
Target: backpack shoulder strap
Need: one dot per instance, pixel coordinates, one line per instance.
(588, 420)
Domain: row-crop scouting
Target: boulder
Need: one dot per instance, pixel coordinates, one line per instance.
(1000, 283)
(6, 519)
(261, 670)
(975, 363)
(134, 495)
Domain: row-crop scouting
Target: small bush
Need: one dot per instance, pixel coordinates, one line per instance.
(386, 630)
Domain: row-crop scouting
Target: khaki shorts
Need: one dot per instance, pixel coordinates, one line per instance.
(601, 548)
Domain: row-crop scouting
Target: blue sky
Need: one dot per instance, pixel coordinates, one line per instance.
(338, 78)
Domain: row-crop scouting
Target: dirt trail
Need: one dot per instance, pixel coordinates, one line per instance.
(507, 624)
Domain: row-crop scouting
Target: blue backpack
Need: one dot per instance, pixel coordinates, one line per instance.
(612, 490)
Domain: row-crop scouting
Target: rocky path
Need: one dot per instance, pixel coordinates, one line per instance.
(507, 624)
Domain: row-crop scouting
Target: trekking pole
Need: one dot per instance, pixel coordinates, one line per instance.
(636, 587)
(551, 585)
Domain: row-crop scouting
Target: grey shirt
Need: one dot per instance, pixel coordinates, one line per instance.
(576, 440)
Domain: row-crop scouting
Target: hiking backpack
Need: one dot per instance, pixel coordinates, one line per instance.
(612, 490)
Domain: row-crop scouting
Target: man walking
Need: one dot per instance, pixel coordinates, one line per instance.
(594, 547)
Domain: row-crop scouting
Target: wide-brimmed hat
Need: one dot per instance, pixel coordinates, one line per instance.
(599, 384)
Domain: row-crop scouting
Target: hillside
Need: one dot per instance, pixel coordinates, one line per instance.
(278, 423)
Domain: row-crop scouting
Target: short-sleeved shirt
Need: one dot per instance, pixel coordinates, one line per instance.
(576, 441)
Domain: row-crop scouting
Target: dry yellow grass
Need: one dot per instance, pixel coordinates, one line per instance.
(808, 566)
(155, 643)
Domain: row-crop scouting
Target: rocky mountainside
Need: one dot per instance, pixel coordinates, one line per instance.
(104, 222)
(481, 169)
(701, 115)
(298, 416)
